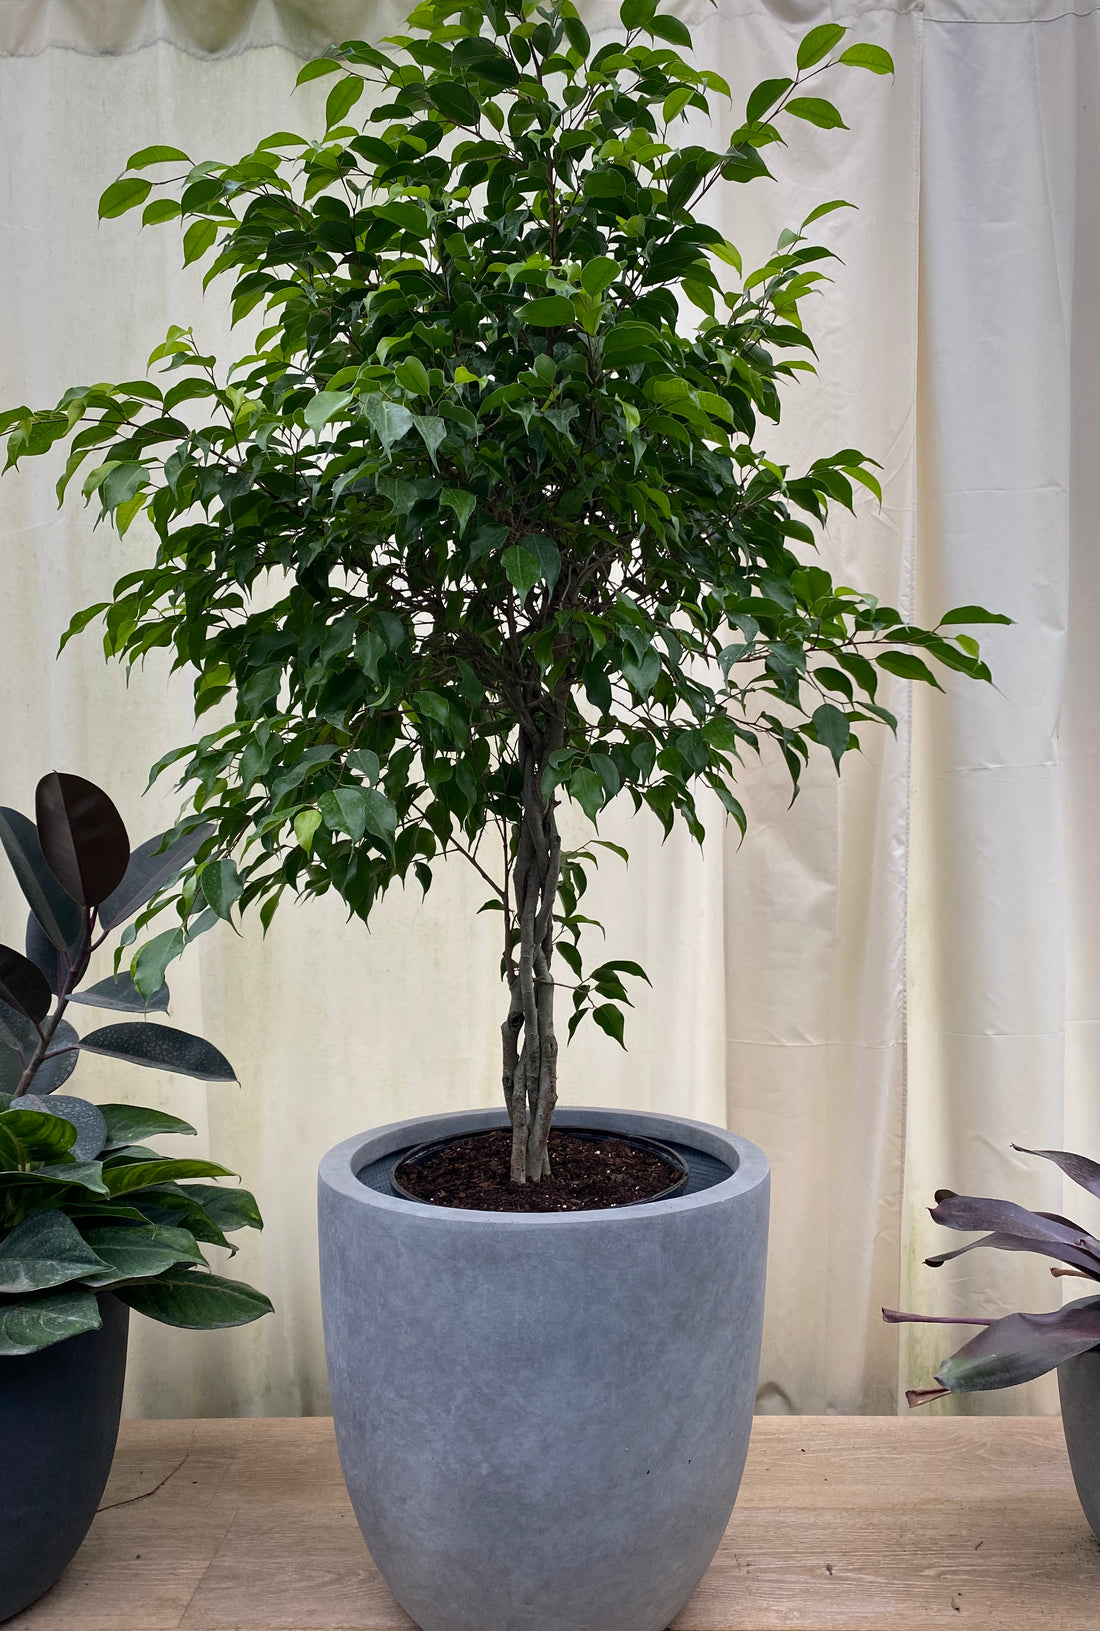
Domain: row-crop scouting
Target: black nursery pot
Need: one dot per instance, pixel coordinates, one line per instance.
(59, 1414)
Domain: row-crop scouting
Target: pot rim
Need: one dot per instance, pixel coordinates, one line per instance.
(339, 1168)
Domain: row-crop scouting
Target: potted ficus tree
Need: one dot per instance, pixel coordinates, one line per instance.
(92, 1221)
(481, 523)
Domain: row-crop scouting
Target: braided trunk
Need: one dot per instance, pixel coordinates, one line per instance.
(530, 1074)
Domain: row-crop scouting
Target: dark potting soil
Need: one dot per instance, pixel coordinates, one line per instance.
(585, 1174)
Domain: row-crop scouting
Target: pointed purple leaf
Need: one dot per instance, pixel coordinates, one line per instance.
(83, 837)
(1021, 1347)
(151, 868)
(1078, 1167)
(1006, 1218)
(1072, 1255)
(56, 911)
(23, 986)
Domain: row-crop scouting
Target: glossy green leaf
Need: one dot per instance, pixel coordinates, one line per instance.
(123, 195)
(135, 1175)
(868, 56)
(552, 311)
(196, 1301)
(131, 1123)
(45, 1250)
(138, 1251)
(816, 111)
(34, 1323)
(817, 44)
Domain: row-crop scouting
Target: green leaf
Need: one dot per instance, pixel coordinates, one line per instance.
(872, 57)
(409, 217)
(643, 674)
(832, 731)
(588, 791)
(306, 823)
(45, 1250)
(29, 1135)
(230, 1208)
(972, 614)
(597, 275)
(149, 964)
(816, 111)
(134, 1175)
(818, 43)
(463, 504)
(671, 29)
(676, 101)
(907, 667)
(636, 13)
(523, 570)
(552, 311)
(344, 810)
(123, 195)
(221, 887)
(28, 1326)
(324, 406)
(342, 98)
(198, 238)
(610, 1019)
(156, 155)
(316, 68)
(765, 96)
(453, 101)
(196, 1301)
(130, 1123)
(138, 1251)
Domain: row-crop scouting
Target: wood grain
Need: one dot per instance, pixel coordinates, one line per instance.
(843, 1524)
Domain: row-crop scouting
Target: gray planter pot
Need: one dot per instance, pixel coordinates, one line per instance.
(1079, 1391)
(59, 1412)
(543, 1418)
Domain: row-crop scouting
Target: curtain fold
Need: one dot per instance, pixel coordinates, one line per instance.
(883, 985)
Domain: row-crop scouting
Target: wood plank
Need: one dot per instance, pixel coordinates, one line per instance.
(843, 1524)
(324, 1581)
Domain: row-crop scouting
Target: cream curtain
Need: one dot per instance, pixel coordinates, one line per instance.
(884, 985)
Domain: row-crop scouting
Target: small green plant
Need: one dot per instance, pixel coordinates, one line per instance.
(85, 1205)
(1019, 1347)
(481, 521)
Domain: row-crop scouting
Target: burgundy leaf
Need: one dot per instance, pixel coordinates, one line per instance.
(924, 1395)
(82, 835)
(1006, 1218)
(150, 869)
(1021, 1347)
(1079, 1259)
(893, 1316)
(23, 986)
(1078, 1167)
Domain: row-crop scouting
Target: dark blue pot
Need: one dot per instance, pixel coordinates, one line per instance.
(59, 1414)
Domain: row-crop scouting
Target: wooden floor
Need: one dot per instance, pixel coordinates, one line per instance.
(874, 1523)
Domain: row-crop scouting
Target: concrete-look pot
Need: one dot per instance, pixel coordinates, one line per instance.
(59, 1412)
(543, 1417)
(1079, 1391)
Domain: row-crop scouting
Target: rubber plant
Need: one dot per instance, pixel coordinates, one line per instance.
(1018, 1347)
(85, 1205)
(481, 520)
